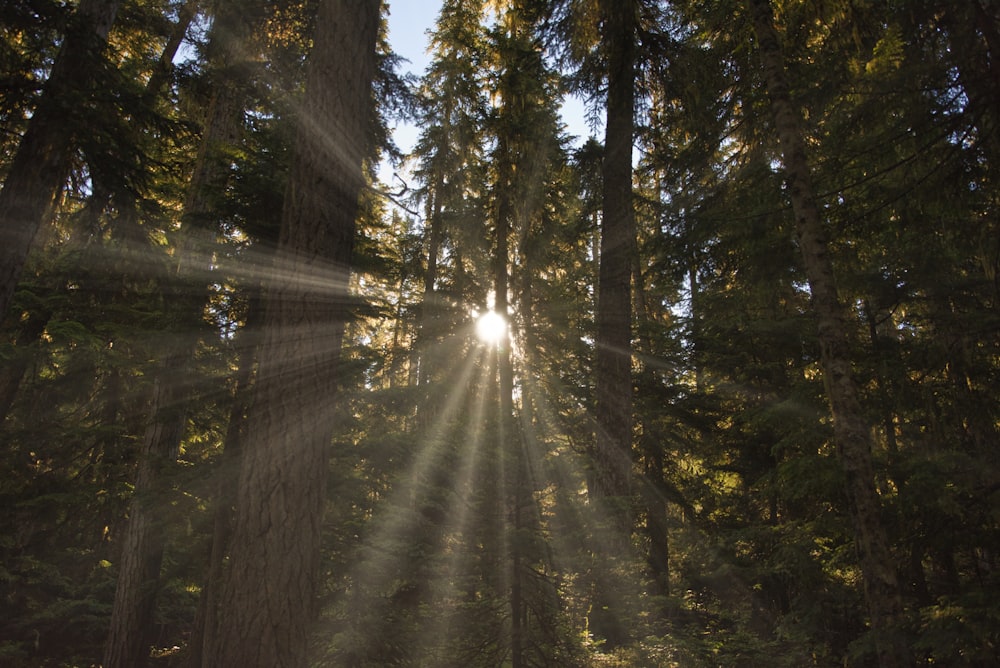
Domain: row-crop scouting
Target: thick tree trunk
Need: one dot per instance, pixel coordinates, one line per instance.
(851, 433)
(614, 301)
(41, 164)
(206, 620)
(267, 601)
(612, 475)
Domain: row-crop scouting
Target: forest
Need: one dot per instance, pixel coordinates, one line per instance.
(718, 386)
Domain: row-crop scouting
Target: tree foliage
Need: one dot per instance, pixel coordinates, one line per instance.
(806, 238)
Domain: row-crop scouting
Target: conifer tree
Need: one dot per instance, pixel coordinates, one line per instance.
(172, 394)
(449, 155)
(40, 166)
(851, 432)
(273, 571)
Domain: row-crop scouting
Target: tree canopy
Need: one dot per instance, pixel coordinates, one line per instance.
(738, 405)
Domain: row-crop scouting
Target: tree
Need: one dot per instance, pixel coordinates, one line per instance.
(524, 129)
(449, 154)
(851, 432)
(612, 474)
(41, 164)
(272, 577)
(171, 400)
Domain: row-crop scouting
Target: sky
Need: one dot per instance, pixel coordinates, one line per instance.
(409, 24)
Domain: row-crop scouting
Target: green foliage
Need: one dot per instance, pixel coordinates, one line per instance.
(743, 544)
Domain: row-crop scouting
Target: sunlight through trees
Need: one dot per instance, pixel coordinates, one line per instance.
(717, 388)
(491, 328)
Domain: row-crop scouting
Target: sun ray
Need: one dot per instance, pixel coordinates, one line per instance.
(491, 328)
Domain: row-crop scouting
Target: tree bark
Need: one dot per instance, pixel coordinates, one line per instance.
(267, 600)
(614, 303)
(612, 475)
(506, 432)
(41, 164)
(852, 435)
(143, 542)
(206, 620)
(142, 547)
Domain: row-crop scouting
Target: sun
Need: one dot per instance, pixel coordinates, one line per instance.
(491, 328)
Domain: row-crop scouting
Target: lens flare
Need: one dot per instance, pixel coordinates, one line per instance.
(491, 328)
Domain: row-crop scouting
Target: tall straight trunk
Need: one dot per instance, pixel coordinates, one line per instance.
(42, 161)
(658, 557)
(650, 444)
(429, 308)
(505, 420)
(612, 468)
(614, 301)
(268, 597)
(852, 434)
(143, 543)
(206, 620)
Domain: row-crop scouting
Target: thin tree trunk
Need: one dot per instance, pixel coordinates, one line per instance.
(851, 433)
(268, 597)
(509, 443)
(429, 309)
(650, 446)
(142, 547)
(41, 164)
(165, 65)
(143, 544)
(505, 422)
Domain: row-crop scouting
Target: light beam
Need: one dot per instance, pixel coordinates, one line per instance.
(491, 328)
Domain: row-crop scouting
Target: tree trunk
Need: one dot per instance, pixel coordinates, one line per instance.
(851, 433)
(612, 475)
(143, 544)
(164, 67)
(650, 443)
(142, 547)
(41, 164)
(206, 620)
(614, 303)
(509, 440)
(429, 308)
(267, 600)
